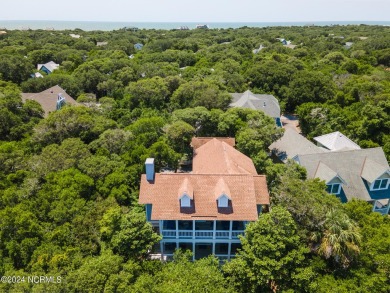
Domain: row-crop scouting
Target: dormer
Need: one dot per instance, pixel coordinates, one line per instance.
(222, 194)
(332, 178)
(376, 175)
(186, 194)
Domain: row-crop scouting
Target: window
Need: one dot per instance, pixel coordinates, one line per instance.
(185, 201)
(380, 184)
(169, 225)
(334, 188)
(223, 201)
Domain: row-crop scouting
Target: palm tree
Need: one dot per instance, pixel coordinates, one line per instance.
(340, 238)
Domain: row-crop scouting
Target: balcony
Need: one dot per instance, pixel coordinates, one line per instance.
(201, 234)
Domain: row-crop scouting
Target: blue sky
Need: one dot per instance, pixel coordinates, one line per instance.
(197, 10)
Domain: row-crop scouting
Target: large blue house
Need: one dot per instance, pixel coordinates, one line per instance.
(348, 171)
(207, 209)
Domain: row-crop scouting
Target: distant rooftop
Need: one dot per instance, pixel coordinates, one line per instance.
(336, 141)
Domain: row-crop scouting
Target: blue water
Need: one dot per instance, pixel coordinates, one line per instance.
(108, 26)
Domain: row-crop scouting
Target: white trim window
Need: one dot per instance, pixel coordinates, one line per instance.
(334, 188)
(380, 184)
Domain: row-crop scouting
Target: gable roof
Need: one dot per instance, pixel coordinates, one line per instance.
(49, 66)
(292, 144)
(266, 103)
(48, 98)
(336, 141)
(218, 157)
(350, 166)
(372, 170)
(324, 172)
(186, 189)
(221, 188)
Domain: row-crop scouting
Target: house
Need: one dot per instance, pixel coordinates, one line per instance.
(51, 99)
(48, 67)
(207, 209)
(202, 26)
(348, 171)
(348, 45)
(75, 36)
(100, 44)
(336, 141)
(266, 103)
(291, 144)
(138, 46)
(261, 47)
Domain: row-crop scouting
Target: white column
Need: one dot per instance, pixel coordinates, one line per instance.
(193, 230)
(214, 229)
(177, 229)
(230, 229)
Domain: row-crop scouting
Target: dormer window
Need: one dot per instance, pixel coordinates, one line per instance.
(185, 201)
(380, 184)
(334, 188)
(185, 194)
(222, 194)
(223, 201)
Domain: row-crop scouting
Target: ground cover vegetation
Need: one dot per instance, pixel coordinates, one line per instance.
(69, 182)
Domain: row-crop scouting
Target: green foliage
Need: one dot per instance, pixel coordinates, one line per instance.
(272, 257)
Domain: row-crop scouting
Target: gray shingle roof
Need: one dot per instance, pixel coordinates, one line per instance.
(48, 98)
(372, 170)
(292, 144)
(350, 166)
(266, 103)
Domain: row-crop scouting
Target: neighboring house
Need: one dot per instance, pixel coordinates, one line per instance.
(51, 99)
(48, 67)
(138, 46)
(261, 47)
(207, 209)
(100, 44)
(266, 103)
(75, 36)
(348, 171)
(336, 141)
(291, 144)
(202, 26)
(36, 75)
(348, 45)
(283, 41)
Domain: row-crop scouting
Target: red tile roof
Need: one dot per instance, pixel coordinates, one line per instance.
(199, 141)
(246, 192)
(218, 157)
(218, 167)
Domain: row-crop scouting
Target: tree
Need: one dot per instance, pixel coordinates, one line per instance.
(272, 257)
(340, 238)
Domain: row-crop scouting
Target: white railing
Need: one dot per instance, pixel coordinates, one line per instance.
(201, 234)
(383, 211)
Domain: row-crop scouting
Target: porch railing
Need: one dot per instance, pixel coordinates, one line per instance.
(202, 234)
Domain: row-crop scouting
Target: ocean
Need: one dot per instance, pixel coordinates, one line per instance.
(108, 26)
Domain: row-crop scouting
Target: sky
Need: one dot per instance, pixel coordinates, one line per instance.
(196, 10)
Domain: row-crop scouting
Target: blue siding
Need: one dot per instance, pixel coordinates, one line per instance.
(148, 212)
(377, 194)
(342, 196)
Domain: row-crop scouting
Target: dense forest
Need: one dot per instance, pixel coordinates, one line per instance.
(69, 182)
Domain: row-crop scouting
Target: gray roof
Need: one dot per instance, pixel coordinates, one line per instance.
(49, 65)
(372, 170)
(292, 144)
(350, 166)
(48, 98)
(266, 103)
(324, 172)
(336, 141)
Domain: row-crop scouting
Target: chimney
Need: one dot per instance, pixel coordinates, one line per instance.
(149, 166)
